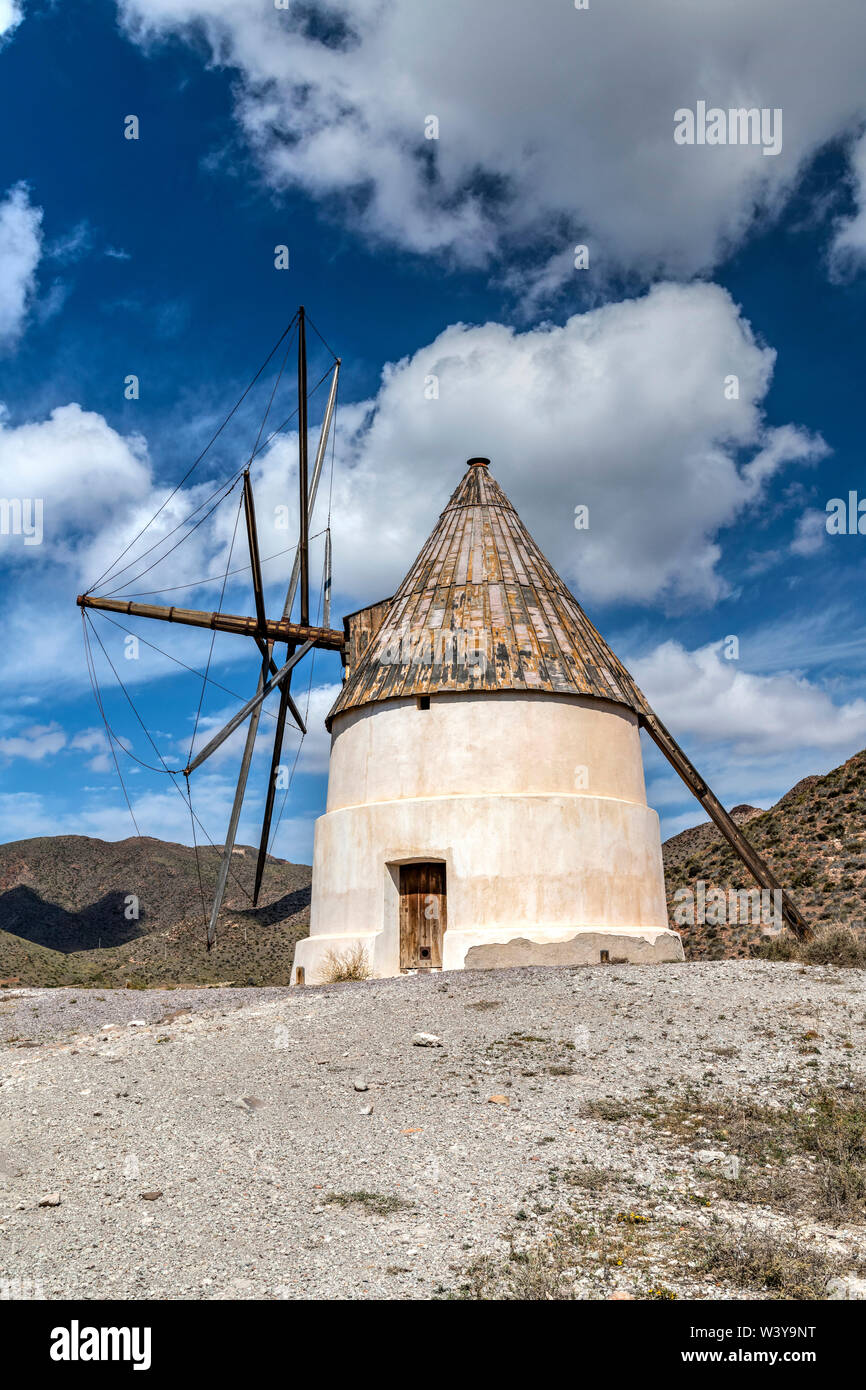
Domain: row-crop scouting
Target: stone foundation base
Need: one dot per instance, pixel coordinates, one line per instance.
(583, 948)
(492, 950)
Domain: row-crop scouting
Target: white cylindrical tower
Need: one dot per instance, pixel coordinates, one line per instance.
(486, 802)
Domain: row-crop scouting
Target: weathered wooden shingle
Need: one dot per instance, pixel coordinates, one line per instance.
(482, 609)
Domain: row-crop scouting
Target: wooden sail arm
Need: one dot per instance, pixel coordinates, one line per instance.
(237, 719)
(237, 805)
(266, 650)
(325, 637)
(314, 484)
(285, 702)
(728, 827)
(253, 544)
(304, 498)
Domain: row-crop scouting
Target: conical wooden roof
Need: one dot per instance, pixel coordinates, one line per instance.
(482, 609)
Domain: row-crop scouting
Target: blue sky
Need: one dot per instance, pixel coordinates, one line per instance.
(455, 258)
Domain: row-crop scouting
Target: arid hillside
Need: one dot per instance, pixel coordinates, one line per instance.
(75, 910)
(814, 839)
(68, 903)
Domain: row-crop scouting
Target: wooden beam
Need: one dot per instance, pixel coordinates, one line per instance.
(328, 638)
(272, 667)
(304, 495)
(314, 483)
(272, 789)
(237, 719)
(743, 847)
(255, 561)
(326, 587)
(232, 831)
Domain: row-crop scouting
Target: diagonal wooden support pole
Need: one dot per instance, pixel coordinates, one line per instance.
(255, 559)
(271, 792)
(251, 705)
(728, 827)
(274, 670)
(237, 805)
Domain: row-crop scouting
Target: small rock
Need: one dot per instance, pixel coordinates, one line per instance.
(366, 1110)
(52, 1199)
(249, 1103)
(137, 1023)
(150, 1196)
(360, 1084)
(848, 1287)
(498, 1100)
(426, 1040)
(620, 1297)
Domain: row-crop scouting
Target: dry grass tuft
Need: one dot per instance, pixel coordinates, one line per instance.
(809, 1156)
(751, 1259)
(542, 1273)
(379, 1203)
(832, 945)
(353, 964)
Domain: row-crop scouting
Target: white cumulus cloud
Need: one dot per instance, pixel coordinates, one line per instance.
(34, 743)
(848, 249)
(20, 250)
(11, 14)
(553, 122)
(702, 695)
(623, 409)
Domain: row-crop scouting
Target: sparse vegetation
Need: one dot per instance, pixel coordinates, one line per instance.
(604, 1109)
(544, 1272)
(760, 1260)
(352, 964)
(588, 1177)
(814, 840)
(577, 1260)
(830, 945)
(803, 1156)
(379, 1203)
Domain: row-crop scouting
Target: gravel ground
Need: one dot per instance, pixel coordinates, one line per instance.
(244, 1109)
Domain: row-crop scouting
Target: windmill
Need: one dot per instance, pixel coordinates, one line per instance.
(300, 637)
(480, 571)
(486, 798)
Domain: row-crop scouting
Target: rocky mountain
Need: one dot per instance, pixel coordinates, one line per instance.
(76, 910)
(814, 839)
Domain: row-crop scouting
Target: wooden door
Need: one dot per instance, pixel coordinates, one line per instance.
(422, 915)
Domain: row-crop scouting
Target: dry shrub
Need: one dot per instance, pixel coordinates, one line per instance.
(760, 1259)
(826, 1128)
(546, 1271)
(831, 945)
(352, 964)
(835, 946)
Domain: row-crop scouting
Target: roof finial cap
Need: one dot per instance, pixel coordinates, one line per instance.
(478, 463)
